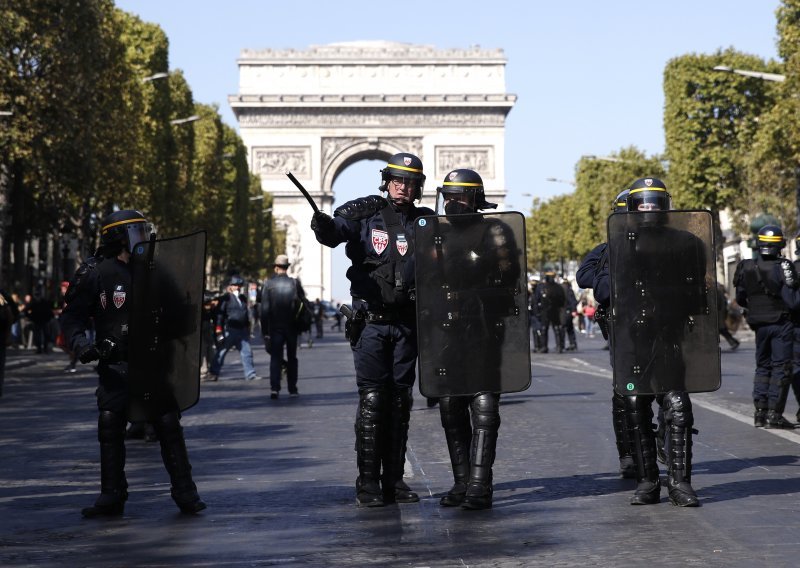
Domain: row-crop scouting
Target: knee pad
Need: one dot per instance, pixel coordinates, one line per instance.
(453, 410)
(486, 411)
(111, 426)
(168, 426)
(678, 409)
(640, 410)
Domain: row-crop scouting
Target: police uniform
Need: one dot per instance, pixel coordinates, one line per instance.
(590, 275)
(758, 288)
(382, 330)
(551, 300)
(633, 415)
(101, 290)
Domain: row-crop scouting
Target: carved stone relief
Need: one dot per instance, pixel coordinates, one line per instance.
(331, 118)
(478, 158)
(273, 161)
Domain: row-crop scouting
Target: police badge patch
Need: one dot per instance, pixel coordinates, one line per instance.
(402, 244)
(380, 240)
(119, 297)
(407, 160)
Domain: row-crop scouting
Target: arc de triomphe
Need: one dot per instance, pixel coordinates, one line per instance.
(317, 111)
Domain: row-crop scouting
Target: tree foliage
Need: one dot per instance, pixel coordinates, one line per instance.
(92, 130)
(710, 118)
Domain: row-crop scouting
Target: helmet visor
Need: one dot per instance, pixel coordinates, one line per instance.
(136, 233)
(648, 200)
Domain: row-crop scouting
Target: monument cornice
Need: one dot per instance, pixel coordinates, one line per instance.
(375, 116)
(371, 100)
(368, 52)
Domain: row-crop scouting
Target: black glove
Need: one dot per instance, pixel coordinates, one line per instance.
(109, 350)
(89, 354)
(789, 273)
(322, 222)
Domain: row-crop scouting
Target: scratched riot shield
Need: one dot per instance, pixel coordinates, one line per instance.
(164, 345)
(664, 333)
(471, 304)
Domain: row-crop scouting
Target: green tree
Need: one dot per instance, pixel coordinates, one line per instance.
(597, 182)
(710, 121)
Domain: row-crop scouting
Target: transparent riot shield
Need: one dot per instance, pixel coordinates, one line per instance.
(164, 346)
(664, 333)
(472, 316)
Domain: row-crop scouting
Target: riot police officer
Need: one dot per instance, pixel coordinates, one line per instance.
(552, 302)
(382, 329)
(101, 289)
(597, 260)
(759, 283)
(482, 275)
(676, 417)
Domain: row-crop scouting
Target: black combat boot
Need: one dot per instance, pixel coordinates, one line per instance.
(369, 421)
(113, 485)
(679, 468)
(486, 420)
(648, 483)
(454, 412)
(777, 421)
(395, 489)
(622, 434)
(760, 417)
(176, 461)
(558, 331)
(679, 418)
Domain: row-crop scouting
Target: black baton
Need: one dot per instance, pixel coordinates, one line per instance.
(299, 185)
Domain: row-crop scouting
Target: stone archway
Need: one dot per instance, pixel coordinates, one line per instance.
(315, 112)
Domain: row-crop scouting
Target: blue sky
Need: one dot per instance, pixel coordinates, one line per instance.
(588, 74)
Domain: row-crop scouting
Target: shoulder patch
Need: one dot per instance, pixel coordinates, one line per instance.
(361, 208)
(86, 267)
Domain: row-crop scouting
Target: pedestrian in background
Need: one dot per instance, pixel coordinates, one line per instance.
(281, 298)
(8, 317)
(722, 314)
(568, 314)
(337, 324)
(319, 317)
(232, 329)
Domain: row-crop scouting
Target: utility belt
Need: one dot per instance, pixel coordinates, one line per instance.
(383, 314)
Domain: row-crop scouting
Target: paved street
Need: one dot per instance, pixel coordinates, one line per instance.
(278, 477)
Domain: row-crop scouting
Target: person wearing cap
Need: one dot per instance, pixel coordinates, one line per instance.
(233, 330)
(280, 298)
(378, 236)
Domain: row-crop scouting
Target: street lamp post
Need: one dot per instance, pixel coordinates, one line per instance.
(154, 76)
(756, 74)
(185, 120)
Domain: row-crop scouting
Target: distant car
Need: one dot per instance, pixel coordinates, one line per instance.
(328, 309)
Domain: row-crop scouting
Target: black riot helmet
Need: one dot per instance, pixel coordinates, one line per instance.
(770, 241)
(404, 167)
(236, 280)
(620, 201)
(461, 192)
(648, 194)
(122, 230)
